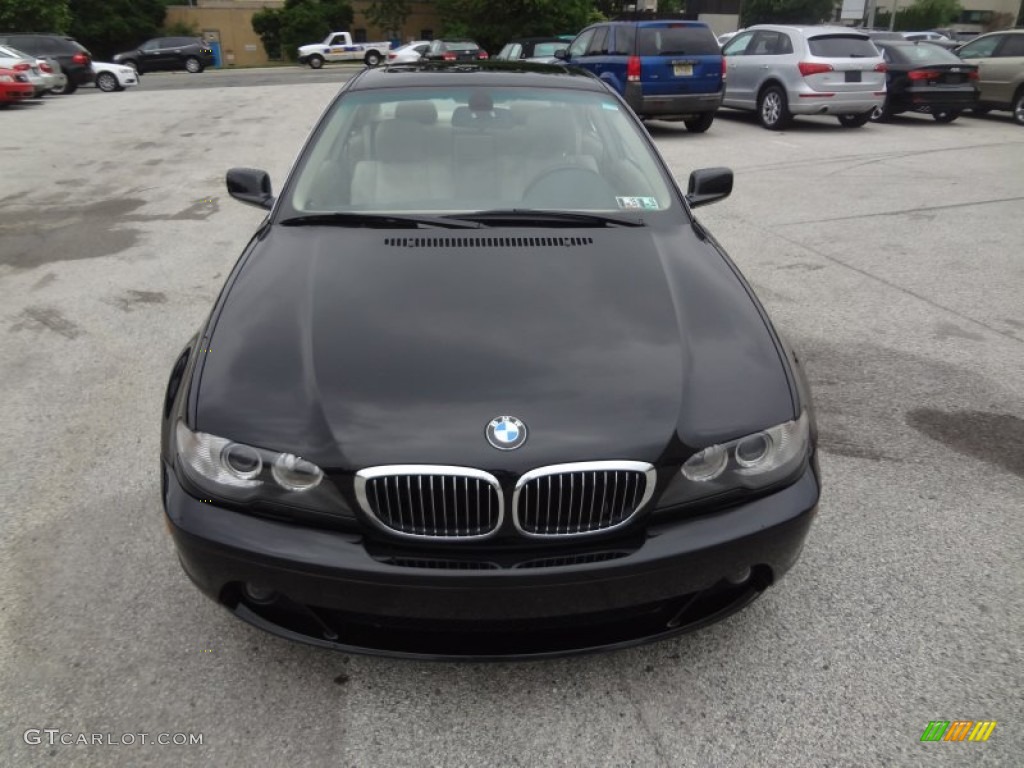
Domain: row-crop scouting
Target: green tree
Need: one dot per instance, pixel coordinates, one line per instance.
(34, 16)
(786, 11)
(492, 24)
(267, 24)
(107, 27)
(310, 21)
(389, 15)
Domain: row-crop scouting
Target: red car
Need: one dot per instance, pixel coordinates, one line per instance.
(14, 86)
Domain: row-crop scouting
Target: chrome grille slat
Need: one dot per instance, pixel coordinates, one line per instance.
(588, 497)
(424, 501)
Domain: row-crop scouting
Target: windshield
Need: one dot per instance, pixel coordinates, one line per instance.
(548, 49)
(677, 40)
(842, 47)
(457, 150)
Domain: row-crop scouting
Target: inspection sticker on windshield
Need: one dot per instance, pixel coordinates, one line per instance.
(637, 203)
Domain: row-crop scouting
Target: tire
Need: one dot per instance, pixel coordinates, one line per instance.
(772, 109)
(946, 115)
(1018, 107)
(882, 114)
(316, 61)
(107, 82)
(193, 65)
(855, 121)
(67, 89)
(700, 124)
(372, 59)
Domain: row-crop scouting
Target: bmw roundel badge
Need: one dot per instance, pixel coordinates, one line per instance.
(506, 433)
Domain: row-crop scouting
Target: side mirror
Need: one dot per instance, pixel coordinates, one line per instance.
(251, 186)
(562, 53)
(709, 185)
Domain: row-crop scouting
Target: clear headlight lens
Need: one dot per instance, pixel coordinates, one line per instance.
(243, 473)
(296, 474)
(751, 462)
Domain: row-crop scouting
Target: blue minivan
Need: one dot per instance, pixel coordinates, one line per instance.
(670, 70)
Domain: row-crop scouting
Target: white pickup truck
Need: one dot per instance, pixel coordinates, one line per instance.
(338, 46)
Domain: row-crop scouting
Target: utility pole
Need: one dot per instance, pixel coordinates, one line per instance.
(871, 13)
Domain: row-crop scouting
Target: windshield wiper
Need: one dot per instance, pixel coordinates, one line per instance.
(377, 221)
(519, 216)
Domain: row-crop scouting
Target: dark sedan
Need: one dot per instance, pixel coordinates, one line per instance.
(162, 54)
(524, 405)
(923, 77)
(455, 50)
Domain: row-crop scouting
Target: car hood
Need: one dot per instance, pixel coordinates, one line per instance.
(359, 347)
(117, 69)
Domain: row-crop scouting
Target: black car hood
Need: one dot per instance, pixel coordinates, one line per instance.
(360, 347)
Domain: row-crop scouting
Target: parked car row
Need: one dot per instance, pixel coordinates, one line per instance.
(59, 64)
(678, 70)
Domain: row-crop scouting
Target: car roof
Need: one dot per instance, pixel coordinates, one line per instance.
(489, 73)
(543, 39)
(819, 29)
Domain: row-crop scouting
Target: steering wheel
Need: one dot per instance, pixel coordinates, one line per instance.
(569, 185)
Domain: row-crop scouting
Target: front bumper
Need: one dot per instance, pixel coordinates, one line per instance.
(334, 589)
(679, 105)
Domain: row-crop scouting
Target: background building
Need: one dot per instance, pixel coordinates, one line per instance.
(229, 23)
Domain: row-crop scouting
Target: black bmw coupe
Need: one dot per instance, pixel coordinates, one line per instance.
(481, 386)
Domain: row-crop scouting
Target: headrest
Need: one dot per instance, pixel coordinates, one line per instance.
(481, 101)
(400, 141)
(421, 111)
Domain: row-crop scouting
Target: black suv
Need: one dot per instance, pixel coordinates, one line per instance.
(74, 59)
(167, 53)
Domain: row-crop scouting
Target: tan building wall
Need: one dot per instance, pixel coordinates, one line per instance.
(230, 22)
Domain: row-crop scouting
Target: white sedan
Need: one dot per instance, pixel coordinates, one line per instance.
(408, 52)
(114, 77)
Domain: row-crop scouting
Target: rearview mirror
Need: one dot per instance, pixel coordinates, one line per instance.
(709, 185)
(562, 53)
(250, 185)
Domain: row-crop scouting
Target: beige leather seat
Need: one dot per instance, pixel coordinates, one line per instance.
(409, 166)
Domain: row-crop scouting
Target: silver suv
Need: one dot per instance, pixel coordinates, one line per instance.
(781, 71)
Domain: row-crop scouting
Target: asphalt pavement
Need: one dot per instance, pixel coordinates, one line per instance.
(890, 255)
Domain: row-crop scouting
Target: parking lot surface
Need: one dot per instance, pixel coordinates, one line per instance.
(892, 258)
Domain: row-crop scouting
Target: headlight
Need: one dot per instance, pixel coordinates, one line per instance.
(6, 79)
(243, 473)
(752, 462)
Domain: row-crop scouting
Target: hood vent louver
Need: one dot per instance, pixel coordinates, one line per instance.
(487, 242)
